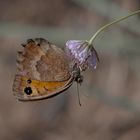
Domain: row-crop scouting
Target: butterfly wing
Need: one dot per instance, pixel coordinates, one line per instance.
(43, 71)
(26, 89)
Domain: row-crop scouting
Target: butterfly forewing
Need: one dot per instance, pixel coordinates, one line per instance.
(43, 71)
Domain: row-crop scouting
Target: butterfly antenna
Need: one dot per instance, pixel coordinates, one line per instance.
(78, 94)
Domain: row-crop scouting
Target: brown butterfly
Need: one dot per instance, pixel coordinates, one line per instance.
(44, 71)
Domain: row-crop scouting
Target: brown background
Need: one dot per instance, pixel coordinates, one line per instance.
(110, 95)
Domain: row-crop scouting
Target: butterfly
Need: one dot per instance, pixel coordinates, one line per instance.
(43, 71)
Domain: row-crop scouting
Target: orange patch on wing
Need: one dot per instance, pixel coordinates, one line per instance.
(41, 87)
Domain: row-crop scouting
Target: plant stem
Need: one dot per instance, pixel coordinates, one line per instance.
(109, 24)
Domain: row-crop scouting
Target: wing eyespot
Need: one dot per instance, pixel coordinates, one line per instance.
(29, 81)
(28, 90)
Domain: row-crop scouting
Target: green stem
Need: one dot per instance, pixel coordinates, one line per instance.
(109, 24)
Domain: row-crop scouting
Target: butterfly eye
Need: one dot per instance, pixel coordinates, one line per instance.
(28, 90)
(79, 79)
(29, 81)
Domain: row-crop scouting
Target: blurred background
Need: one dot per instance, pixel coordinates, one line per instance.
(110, 95)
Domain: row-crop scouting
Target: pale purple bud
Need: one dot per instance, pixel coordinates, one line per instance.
(82, 53)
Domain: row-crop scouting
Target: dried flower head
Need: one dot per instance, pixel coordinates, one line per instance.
(82, 53)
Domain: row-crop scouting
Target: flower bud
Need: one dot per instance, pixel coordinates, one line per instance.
(82, 53)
